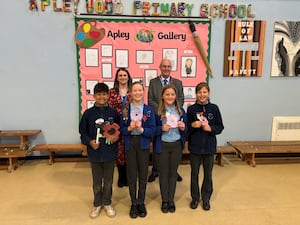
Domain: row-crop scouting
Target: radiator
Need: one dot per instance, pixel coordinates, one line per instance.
(286, 128)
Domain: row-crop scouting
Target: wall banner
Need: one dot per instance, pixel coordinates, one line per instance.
(104, 45)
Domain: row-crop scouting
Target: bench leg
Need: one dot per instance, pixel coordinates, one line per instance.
(250, 159)
(13, 163)
(219, 159)
(51, 157)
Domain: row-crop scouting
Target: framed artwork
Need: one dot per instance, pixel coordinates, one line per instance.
(91, 57)
(89, 86)
(106, 70)
(189, 92)
(150, 74)
(138, 79)
(122, 58)
(171, 54)
(90, 103)
(286, 49)
(106, 50)
(188, 66)
(144, 57)
(244, 48)
(110, 84)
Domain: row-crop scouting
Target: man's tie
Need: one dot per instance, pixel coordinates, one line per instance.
(165, 82)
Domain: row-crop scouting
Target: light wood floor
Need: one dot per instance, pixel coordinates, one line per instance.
(61, 194)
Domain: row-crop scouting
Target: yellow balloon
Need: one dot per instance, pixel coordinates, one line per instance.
(86, 27)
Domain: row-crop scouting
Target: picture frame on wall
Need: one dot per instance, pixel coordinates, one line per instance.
(188, 66)
(106, 50)
(149, 74)
(144, 57)
(106, 70)
(189, 92)
(91, 57)
(89, 86)
(286, 49)
(171, 54)
(121, 58)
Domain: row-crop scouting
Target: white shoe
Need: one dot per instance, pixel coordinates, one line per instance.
(95, 212)
(110, 211)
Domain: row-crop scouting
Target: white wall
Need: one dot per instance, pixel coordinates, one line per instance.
(39, 86)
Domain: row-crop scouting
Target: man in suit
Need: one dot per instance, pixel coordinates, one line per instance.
(154, 94)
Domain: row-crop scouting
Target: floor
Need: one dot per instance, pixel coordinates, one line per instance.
(61, 194)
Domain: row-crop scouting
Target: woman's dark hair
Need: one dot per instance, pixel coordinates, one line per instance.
(116, 82)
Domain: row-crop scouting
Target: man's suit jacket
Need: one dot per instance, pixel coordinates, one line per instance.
(155, 88)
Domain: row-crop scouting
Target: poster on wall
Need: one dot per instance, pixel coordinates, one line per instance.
(286, 49)
(138, 45)
(244, 48)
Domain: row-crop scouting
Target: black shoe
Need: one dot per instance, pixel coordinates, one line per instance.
(172, 207)
(194, 204)
(165, 207)
(179, 178)
(206, 205)
(133, 211)
(152, 177)
(142, 212)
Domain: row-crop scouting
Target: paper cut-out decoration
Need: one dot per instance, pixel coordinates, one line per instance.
(110, 132)
(172, 120)
(88, 34)
(136, 114)
(202, 118)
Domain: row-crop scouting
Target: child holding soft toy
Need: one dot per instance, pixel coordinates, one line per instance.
(204, 123)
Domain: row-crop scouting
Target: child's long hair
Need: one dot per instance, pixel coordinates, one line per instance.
(161, 110)
(126, 108)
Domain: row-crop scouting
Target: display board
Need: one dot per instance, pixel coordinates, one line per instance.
(138, 44)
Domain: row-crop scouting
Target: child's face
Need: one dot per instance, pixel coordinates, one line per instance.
(137, 92)
(202, 95)
(169, 97)
(101, 98)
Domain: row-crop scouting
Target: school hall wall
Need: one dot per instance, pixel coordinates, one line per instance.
(39, 84)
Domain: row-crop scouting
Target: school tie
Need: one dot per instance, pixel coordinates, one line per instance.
(165, 82)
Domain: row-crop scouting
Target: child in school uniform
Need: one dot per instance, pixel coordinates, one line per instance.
(169, 141)
(138, 127)
(204, 123)
(99, 131)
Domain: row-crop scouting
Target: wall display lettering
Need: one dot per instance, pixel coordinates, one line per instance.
(139, 45)
(145, 8)
(244, 48)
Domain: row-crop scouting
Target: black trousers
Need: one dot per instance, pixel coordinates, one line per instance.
(207, 161)
(168, 161)
(137, 161)
(102, 173)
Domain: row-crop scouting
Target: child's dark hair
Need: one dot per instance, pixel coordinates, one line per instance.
(101, 87)
(201, 85)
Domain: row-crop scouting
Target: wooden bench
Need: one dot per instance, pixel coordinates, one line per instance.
(54, 148)
(248, 149)
(13, 152)
(221, 150)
